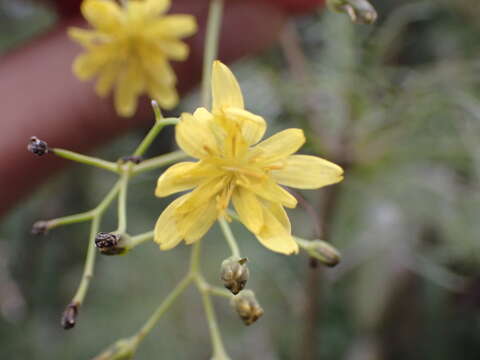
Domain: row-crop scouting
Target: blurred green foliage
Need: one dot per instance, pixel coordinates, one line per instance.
(399, 104)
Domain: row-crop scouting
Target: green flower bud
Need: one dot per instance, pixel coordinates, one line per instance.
(123, 349)
(325, 252)
(234, 273)
(320, 250)
(247, 307)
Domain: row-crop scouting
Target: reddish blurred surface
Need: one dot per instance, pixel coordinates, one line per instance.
(69, 8)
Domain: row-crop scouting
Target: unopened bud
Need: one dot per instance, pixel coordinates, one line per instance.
(69, 316)
(37, 146)
(360, 11)
(234, 273)
(247, 307)
(123, 349)
(108, 243)
(40, 228)
(324, 252)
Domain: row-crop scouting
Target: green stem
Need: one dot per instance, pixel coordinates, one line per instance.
(158, 162)
(195, 258)
(218, 291)
(152, 134)
(139, 239)
(89, 263)
(88, 160)
(164, 306)
(217, 343)
(211, 47)
(227, 232)
(71, 219)
(122, 203)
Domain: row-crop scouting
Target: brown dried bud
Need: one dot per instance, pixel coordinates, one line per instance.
(247, 307)
(108, 243)
(37, 146)
(234, 273)
(40, 228)
(69, 316)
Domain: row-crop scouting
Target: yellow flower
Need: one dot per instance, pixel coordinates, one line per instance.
(129, 49)
(234, 165)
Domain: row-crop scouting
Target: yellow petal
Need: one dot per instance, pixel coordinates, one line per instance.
(275, 236)
(174, 49)
(203, 194)
(280, 214)
(165, 95)
(252, 126)
(173, 26)
(130, 84)
(103, 15)
(156, 7)
(195, 135)
(106, 79)
(248, 208)
(183, 176)
(166, 232)
(225, 89)
(87, 65)
(84, 37)
(308, 172)
(269, 190)
(157, 68)
(198, 222)
(177, 178)
(281, 144)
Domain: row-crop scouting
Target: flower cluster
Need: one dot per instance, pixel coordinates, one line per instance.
(235, 166)
(129, 50)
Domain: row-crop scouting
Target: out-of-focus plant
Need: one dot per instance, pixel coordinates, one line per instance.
(129, 50)
(407, 134)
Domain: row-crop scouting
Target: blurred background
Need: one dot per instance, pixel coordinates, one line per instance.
(397, 104)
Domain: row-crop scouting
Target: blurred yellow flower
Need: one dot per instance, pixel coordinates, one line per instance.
(129, 49)
(234, 165)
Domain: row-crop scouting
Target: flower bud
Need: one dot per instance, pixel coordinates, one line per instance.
(40, 228)
(37, 146)
(324, 252)
(123, 349)
(360, 11)
(247, 307)
(108, 243)
(234, 273)
(69, 316)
